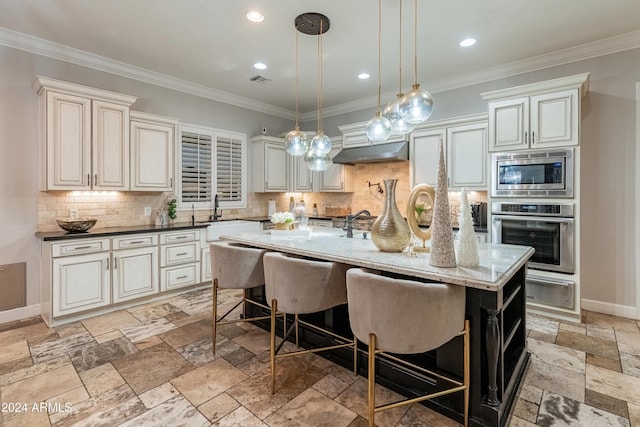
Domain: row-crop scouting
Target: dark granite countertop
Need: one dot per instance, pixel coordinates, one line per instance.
(112, 231)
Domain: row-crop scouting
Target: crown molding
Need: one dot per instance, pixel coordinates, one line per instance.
(21, 41)
(64, 53)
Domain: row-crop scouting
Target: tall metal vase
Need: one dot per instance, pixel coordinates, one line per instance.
(390, 232)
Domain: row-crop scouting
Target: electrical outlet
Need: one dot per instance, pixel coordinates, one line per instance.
(73, 213)
(147, 211)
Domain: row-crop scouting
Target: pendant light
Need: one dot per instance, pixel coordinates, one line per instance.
(296, 142)
(392, 110)
(317, 157)
(379, 127)
(417, 105)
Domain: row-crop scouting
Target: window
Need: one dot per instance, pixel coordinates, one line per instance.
(211, 162)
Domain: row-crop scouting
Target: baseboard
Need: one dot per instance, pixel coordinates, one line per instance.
(627, 311)
(19, 313)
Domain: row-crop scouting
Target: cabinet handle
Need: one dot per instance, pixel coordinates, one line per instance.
(525, 137)
(82, 247)
(266, 184)
(533, 136)
(136, 242)
(88, 180)
(107, 263)
(171, 182)
(115, 262)
(181, 237)
(182, 254)
(181, 277)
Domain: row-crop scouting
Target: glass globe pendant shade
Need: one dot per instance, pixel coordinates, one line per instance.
(316, 161)
(296, 142)
(416, 106)
(392, 113)
(379, 128)
(320, 143)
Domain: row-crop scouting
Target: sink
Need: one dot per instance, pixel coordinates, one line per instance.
(219, 228)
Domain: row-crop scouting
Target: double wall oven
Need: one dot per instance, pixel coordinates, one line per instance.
(538, 179)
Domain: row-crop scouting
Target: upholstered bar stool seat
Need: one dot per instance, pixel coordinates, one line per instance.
(407, 317)
(296, 285)
(235, 266)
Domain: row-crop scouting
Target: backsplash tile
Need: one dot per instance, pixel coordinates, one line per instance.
(114, 209)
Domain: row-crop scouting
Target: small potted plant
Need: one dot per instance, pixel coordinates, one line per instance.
(282, 220)
(171, 209)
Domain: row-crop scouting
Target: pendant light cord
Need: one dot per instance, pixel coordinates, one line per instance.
(379, 44)
(320, 78)
(400, 50)
(415, 42)
(297, 73)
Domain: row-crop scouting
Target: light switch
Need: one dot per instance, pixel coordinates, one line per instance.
(147, 211)
(73, 213)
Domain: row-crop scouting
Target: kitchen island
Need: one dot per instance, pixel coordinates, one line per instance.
(495, 307)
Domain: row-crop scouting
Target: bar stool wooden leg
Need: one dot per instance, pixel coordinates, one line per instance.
(297, 333)
(274, 309)
(214, 313)
(371, 377)
(355, 356)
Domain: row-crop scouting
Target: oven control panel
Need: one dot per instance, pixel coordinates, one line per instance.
(538, 209)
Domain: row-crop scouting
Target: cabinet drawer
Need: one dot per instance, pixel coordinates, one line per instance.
(178, 277)
(179, 254)
(79, 247)
(136, 241)
(178, 237)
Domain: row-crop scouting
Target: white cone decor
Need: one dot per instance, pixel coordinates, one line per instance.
(468, 255)
(442, 249)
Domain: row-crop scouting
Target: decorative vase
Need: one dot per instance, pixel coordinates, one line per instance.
(390, 232)
(282, 226)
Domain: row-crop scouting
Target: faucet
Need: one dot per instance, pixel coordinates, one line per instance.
(215, 215)
(350, 218)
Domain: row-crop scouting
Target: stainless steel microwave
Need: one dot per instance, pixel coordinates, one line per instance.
(547, 173)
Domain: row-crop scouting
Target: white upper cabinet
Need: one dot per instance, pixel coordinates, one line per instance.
(464, 141)
(152, 152)
(85, 137)
(338, 178)
(538, 115)
(270, 165)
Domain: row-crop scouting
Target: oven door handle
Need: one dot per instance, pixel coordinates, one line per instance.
(549, 281)
(499, 217)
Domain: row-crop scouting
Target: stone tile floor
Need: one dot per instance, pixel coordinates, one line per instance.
(151, 365)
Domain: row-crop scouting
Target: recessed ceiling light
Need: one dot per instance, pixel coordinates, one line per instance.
(467, 42)
(363, 76)
(255, 16)
(260, 66)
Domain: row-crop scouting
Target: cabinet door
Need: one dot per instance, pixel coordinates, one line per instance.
(68, 142)
(355, 138)
(151, 156)
(205, 264)
(135, 273)
(424, 147)
(302, 175)
(554, 119)
(467, 153)
(276, 171)
(80, 283)
(338, 178)
(509, 124)
(110, 146)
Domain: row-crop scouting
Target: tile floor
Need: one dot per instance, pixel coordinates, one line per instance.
(151, 365)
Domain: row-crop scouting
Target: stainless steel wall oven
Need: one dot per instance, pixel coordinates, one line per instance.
(546, 173)
(549, 229)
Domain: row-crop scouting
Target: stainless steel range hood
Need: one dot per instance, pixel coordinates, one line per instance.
(379, 153)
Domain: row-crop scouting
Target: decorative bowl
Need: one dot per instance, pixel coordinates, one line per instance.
(76, 225)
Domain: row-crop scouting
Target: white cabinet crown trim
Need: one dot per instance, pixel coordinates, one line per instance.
(580, 81)
(45, 83)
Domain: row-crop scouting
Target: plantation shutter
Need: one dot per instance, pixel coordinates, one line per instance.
(229, 169)
(196, 176)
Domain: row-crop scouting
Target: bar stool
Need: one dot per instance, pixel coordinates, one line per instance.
(297, 286)
(407, 317)
(235, 266)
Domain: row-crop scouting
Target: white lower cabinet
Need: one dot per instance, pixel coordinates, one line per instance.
(80, 283)
(179, 259)
(205, 263)
(85, 274)
(134, 273)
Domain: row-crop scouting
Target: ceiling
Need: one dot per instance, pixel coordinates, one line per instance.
(209, 47)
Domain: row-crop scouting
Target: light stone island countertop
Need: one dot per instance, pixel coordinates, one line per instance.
(498, 263)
